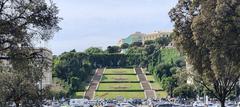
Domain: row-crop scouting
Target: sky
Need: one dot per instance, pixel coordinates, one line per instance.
(102, 23)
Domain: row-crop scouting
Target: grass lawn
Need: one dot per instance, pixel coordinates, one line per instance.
(122, 78)
(150, 78)
(119, 71)
(161, 94)
(113, 95)
(156, 86)
(119, 86)
(79, 95)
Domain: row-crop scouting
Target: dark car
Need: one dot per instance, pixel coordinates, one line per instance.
(136, 102)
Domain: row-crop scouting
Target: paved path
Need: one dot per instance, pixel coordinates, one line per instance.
(94, 83)
(149, 93)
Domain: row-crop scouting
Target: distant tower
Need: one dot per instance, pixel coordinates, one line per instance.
(47, 71)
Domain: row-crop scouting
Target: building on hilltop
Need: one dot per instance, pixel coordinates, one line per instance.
(142, 37)
(155, 35)
(135, 37)
(158, 34)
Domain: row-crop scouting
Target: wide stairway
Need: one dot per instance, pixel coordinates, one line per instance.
(149, 93)
(94, 83)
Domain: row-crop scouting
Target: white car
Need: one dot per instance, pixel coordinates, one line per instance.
(230, 104)
(198, 104)
(55, 104)
(238, 104)
(79, 103)
(124, 105)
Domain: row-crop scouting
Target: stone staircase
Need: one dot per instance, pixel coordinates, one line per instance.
(89, 94)
(149, 93)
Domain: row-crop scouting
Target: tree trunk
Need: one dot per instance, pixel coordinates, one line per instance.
(17, 104)
(222, 103)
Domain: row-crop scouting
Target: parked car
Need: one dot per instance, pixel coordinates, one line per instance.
(136, 101)
(92, 102)
(79, 103)
(198, 104)
(167, 105)
(238, 104)
(124, 105)
(230, 104)
(109, 105)
(55, 104)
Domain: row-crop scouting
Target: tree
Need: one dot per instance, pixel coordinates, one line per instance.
(185, 91)
(93, 50)
(124, 46)
(136, 44)
(72, 65)
(169, 83)
(134, 50)
(29, 21)
(149, 42)
(113, 49)
(163, 41)
(21, 82)
(207, 31)
(24, 23)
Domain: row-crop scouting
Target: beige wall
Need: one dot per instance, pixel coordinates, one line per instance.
(155, 35)
(47, 72)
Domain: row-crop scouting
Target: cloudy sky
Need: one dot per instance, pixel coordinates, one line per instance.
(100, 23)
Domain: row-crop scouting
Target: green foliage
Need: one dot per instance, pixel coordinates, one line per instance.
(158, 60)
(207, 31)
(157, 86)
(149, 42)
(75, 83)
(113, 49)
(161, 94)
(57, 91)
(180, 62)
(124, 46)
(115, 60)
(73, 68)
(79, 94)
(169, 83)
(134, 50)
(24, 23)
(185, 91)
(93, 50)
(136, 44)
(163, 41)
(164, 70)
(169, 55)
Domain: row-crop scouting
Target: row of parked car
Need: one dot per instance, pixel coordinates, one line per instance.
(92, 103)
(133, 103)
(110, 103)
(216, 104)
